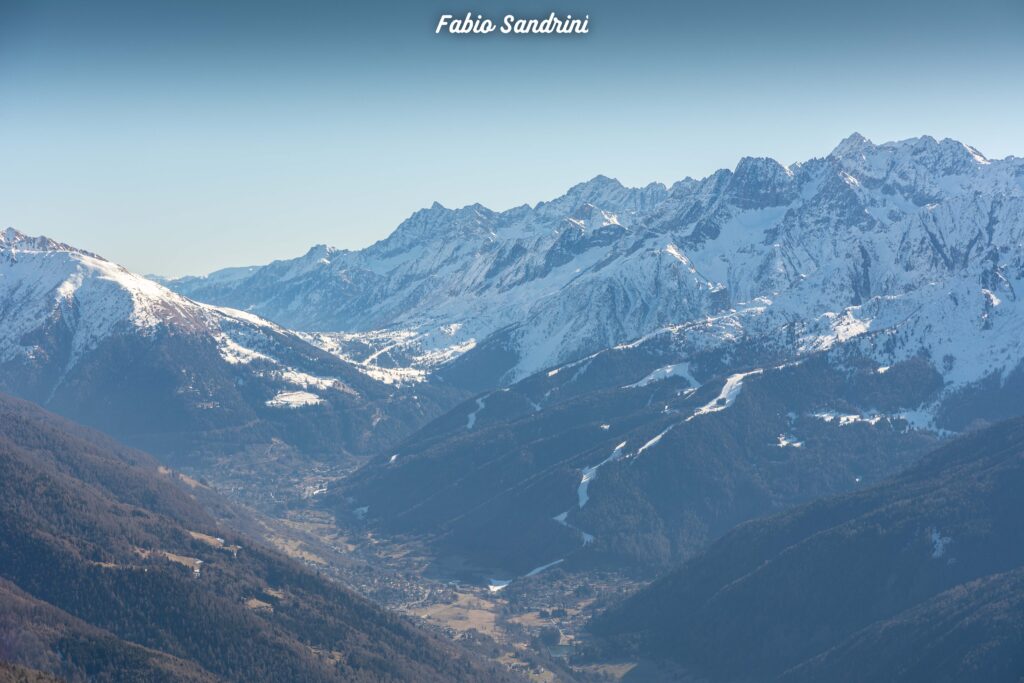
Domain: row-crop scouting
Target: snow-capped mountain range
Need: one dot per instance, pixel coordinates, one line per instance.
(90, 339)
(921, 234)
(46, 283)
(752, 340)
(766, 334)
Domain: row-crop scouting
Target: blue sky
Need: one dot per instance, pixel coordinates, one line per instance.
(180, 136)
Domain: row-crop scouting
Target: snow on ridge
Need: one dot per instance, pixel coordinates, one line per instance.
(674, 370)
(842, 326)
(674, 251)
(814, 240)
(242, 316)
(654, 440)
(420, 350)
(93, 296)
(844, 420)
(294, 399)
(45, 284)
(543, 567)
(308, 381)
(939, 542)
(105, 293)
(589, 473)
(574, 364)
(727, 396)
(234, 353)
(976, 155)
(396, 376)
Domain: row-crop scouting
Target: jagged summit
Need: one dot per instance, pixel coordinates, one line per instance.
(853, 144)
(891, 266)
(597, 184)
(942, 157)
(12, 239)
(320, 251)
(10, 235)
(604, 263)
(48, 284)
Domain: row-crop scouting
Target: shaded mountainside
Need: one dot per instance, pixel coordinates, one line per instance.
(972, 632)
(108, 348)
(720, 420)
(52, 640)
(110, 569)
(916, 579)
(893, 268)
(12, 673)
(637, 476)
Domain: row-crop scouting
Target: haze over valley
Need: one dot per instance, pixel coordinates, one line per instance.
(581, 440)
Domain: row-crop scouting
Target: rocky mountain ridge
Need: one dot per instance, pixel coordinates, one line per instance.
(89, 339)
(868, 233)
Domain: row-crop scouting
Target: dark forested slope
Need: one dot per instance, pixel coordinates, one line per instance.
(916, 579)
(111, 570)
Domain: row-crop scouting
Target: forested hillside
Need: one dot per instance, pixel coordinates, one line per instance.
(111, 570)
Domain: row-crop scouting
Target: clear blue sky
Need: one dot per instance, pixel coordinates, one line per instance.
(180, 136)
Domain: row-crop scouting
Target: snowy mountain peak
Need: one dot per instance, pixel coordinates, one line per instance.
(609, 193)
(320, 252)
(761, 182)
(88, 336)
(854, 145)
(761, 167)
(11, 236)
(921, 156)
(47, 285)
(12, 240)
(604, 263)
(52, 292)
(596, 186)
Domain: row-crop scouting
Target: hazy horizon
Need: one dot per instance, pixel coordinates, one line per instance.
(180, 138)
(301, 249)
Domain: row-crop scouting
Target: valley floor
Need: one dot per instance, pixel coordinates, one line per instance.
(534, 626)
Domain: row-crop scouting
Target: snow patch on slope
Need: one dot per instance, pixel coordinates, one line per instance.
(294, 399)
(589, 473)
(727, 396)
(471, 418)
(675, 370)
